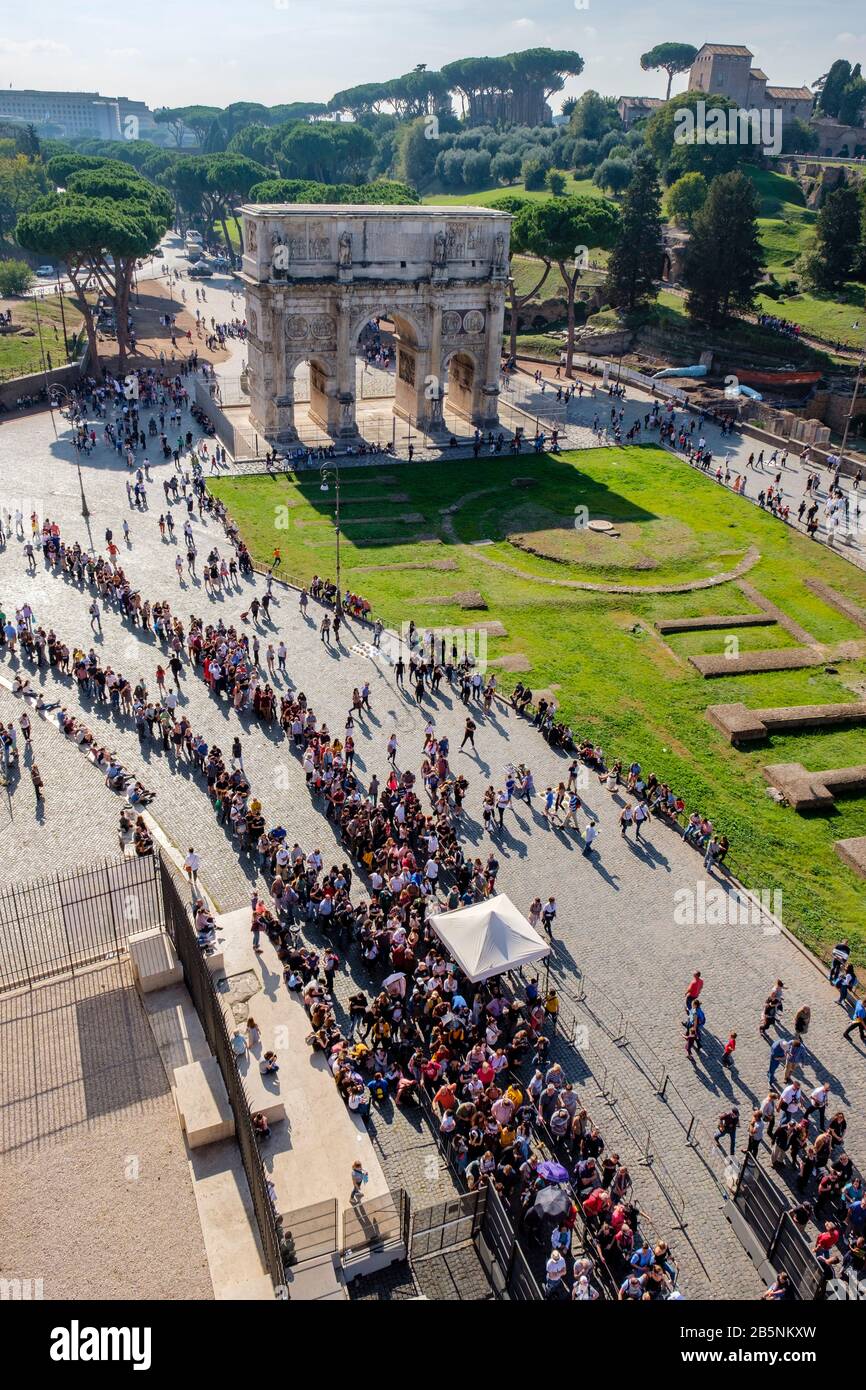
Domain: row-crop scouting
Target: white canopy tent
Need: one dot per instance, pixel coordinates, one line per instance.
(489, 938)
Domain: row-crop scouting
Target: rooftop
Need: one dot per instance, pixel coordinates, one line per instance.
(790, 93)
(731, 50)
(453, 211)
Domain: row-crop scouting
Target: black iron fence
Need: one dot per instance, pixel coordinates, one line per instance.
(62, 924)
(200, 983)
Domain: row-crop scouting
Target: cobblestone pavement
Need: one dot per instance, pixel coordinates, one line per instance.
(457, 1275)
(616, 909)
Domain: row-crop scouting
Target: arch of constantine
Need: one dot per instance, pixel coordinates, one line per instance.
(315, 275)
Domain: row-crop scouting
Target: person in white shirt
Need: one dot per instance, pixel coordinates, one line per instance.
(818, 1101)
(191, 865)
(555, 1271)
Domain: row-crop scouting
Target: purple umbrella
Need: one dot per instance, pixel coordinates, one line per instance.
(554, 1172)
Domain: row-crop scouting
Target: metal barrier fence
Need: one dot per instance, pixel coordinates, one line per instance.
(445, 1225)
(65, 923)
(765, 1210)
(505, 1263)
(200, 983)
(376, 1224)
(491, 1235)
(310, 1232)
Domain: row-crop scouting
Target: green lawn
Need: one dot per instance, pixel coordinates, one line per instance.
(617, 680)
(482, 197)
(20, 354)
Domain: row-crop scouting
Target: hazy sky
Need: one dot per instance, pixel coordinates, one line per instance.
(184, 51)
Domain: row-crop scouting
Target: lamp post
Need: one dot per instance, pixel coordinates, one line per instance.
(334, 473)
(850, 416)
(55, 395)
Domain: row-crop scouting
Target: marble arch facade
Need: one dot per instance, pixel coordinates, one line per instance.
(315, 275)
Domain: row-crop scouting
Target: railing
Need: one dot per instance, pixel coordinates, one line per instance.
(501, 1255)
(310, 1232)
(447, 1224)
(765, 1211)
(62, 924)
(200, 983)
(494, 1239)
(631, 1116)
(377, 1224)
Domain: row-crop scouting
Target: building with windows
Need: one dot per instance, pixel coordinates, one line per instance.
(725, 69)
(633, 109)
(70, 114)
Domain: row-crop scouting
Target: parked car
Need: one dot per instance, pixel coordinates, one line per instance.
(46, 272)
(203, 270)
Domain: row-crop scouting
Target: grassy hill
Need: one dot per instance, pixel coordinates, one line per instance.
(482, 197)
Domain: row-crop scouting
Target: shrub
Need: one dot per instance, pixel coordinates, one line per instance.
(15, 277)
(534, 170)
(555, 182)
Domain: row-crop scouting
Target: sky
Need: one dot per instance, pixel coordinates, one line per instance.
(176, 52)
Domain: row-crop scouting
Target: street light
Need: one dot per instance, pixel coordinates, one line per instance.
(850, 416)
(55, 395)
(334, 473)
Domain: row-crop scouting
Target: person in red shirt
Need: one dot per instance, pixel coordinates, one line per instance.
(596, 1202)
(485, 1073)
(828, 1237)
(446, 1097)
(730, 1049)
(694, 989)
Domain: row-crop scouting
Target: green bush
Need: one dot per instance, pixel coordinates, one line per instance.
(555, 182)
(534, 170)
(15, 277)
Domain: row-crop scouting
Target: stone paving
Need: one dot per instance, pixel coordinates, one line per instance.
(616, 909)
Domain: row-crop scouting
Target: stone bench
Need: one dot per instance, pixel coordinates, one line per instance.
(202, 1103)
(715, 620)
(154, 962)
(261, 1097)
(215, 960)
(744, 725)
(814, 791)
(838, 601)
(755, 663)
(853, 853)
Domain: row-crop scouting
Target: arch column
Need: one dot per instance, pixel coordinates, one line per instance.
(272, 387)
(434, 394)
(485, 405)
(342, 421)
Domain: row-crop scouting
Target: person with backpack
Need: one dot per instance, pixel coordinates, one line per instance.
(359, 1177)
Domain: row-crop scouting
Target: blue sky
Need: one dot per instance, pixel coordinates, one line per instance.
(184, 51)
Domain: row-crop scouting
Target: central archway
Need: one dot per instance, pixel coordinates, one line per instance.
(433, 278)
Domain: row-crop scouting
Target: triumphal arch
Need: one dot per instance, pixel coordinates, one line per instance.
(315, 277)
